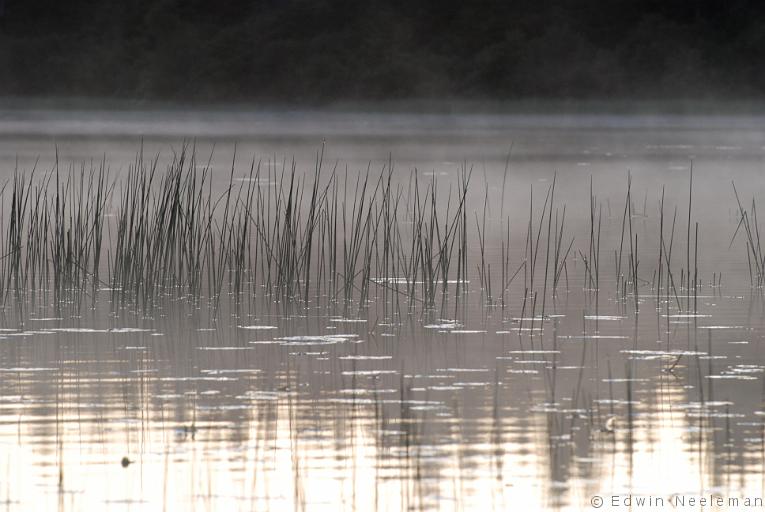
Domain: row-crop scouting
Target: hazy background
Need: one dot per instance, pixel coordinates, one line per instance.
(316, 51)
(260, 402)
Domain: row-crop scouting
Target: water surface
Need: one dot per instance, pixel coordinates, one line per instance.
(271, 406)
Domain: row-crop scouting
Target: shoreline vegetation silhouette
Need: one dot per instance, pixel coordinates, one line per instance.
(319, 52)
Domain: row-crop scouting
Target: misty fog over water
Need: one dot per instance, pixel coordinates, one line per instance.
(632, 378)
(382, 256)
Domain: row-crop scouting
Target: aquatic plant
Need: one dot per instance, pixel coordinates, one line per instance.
(147, 235)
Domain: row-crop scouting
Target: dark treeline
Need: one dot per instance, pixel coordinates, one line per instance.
(322, 50)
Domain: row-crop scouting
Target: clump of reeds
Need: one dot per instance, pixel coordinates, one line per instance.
(754, 254)
(153, 234)
(168, 232)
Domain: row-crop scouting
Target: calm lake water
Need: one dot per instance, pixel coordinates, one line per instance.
(653, 389)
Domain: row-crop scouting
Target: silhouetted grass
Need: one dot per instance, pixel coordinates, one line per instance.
(150, 235)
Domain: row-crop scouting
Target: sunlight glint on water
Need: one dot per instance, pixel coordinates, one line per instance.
(279, 406)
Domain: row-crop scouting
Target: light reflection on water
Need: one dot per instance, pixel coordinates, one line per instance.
(423, 419)
(462, 408)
